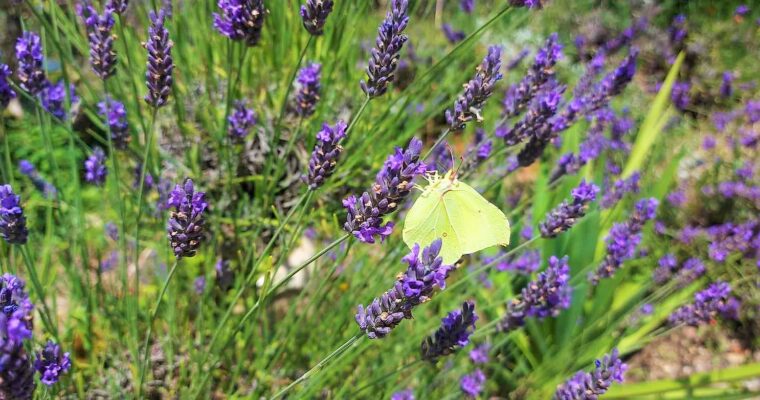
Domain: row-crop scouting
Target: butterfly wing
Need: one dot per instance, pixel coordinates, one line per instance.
(428, 220)
(477, 223)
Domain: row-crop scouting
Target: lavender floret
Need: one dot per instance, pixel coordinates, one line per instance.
(101, 39)
(707, 305)
(240, 121)
(454, 333)
(95, 167)
(51, 363)
(591, 385)
(325, 155)
(186, 222)
(567, 214)
(12, 221)
(115, 114)
(308, 91)
(31, 74)
(241, 20)
(314, 14)
(6, 92)
(385, 54)
(476, 91)
(160, 65)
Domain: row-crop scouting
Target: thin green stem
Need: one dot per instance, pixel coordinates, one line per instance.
(320, 365)
(47, 318)
(153, 315)
(8, 173)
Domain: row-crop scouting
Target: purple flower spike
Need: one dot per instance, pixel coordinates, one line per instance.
(185, 227)
(425, 274)
(591, 385)
(533, 4)
(708, 304)
(467, 6)
(545, 297)
(16, 371)
(726, 88)
(51, 363)
(476, 91)
(479, 355)
(472, 384)
(117, 6)
(451, 35)
(53, 98)
(241, 20)
(623, 239)
(314, 14)
(30, 73)
(158, 76)
(12, 220)
(392, 184)
(385, 55)
(567, 214)
(225, 276)
(95, 167)
(453, 334)
(240, 121)
(406, 394)
(520, 94)
(115, 114)
(6, 92)
(99, 27)
(325, 155)
(308, 92)
(621, 187)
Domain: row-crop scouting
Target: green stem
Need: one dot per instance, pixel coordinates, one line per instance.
(8, 174)
(320, 365)
(46, 315)
(153, 315)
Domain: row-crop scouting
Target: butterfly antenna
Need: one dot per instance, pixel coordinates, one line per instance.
(456, 171)
(451, 153)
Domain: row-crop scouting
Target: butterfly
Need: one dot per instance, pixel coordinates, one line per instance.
(456, 213)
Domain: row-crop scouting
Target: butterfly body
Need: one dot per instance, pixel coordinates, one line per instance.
(457, 214)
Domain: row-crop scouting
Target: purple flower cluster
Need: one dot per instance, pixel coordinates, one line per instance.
(591, 385)
(16, 372)
(385, 54)
(526, 263)
(314, 14)
(732, 238)
(666, 265)
(534, 4)
(467, 6)
(545, 297)
(567, 214)
(30, 73)
(708, 304)
(472, 384)
(53, 98)
(46, 188)
(240, 121)
(623, 239)
(241, 20)
(454, 333)
(6, 92)
(160, 65)
(12, 220)
(726, 88)
(325, 155)
(95, 167)
(51, 363)
(679, 95)
(520, 94)
(542, 107)
(185, 227)
(406, 394)
(479, 355)
(99, 27)
(115, 114)
(413, 287)
(467, 107)
(392, 184)
(452, 35)
(118, 6)
(308, 91)
(620, 188)
(691, 270)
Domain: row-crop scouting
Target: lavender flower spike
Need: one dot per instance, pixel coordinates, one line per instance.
(472, 384)
(385, 54)
(102, 55)
(241, 20)
(95, 167)
(520, 94)
(325, 155)
(30, 73)
(16, 372)
(12, 220)
(314, 14)
(566, 214)
(185, 227)
(546, 296)
(476, 91)
(392, 184)
(117, 6)
(423, 276)
(590, 385)
(240, 121)
(454, 333)
(308, 92)
(51, 363)
(6, 92)
(623, 239)
(158, 76)
(115, 114)
(707, 305)
(53, 98)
